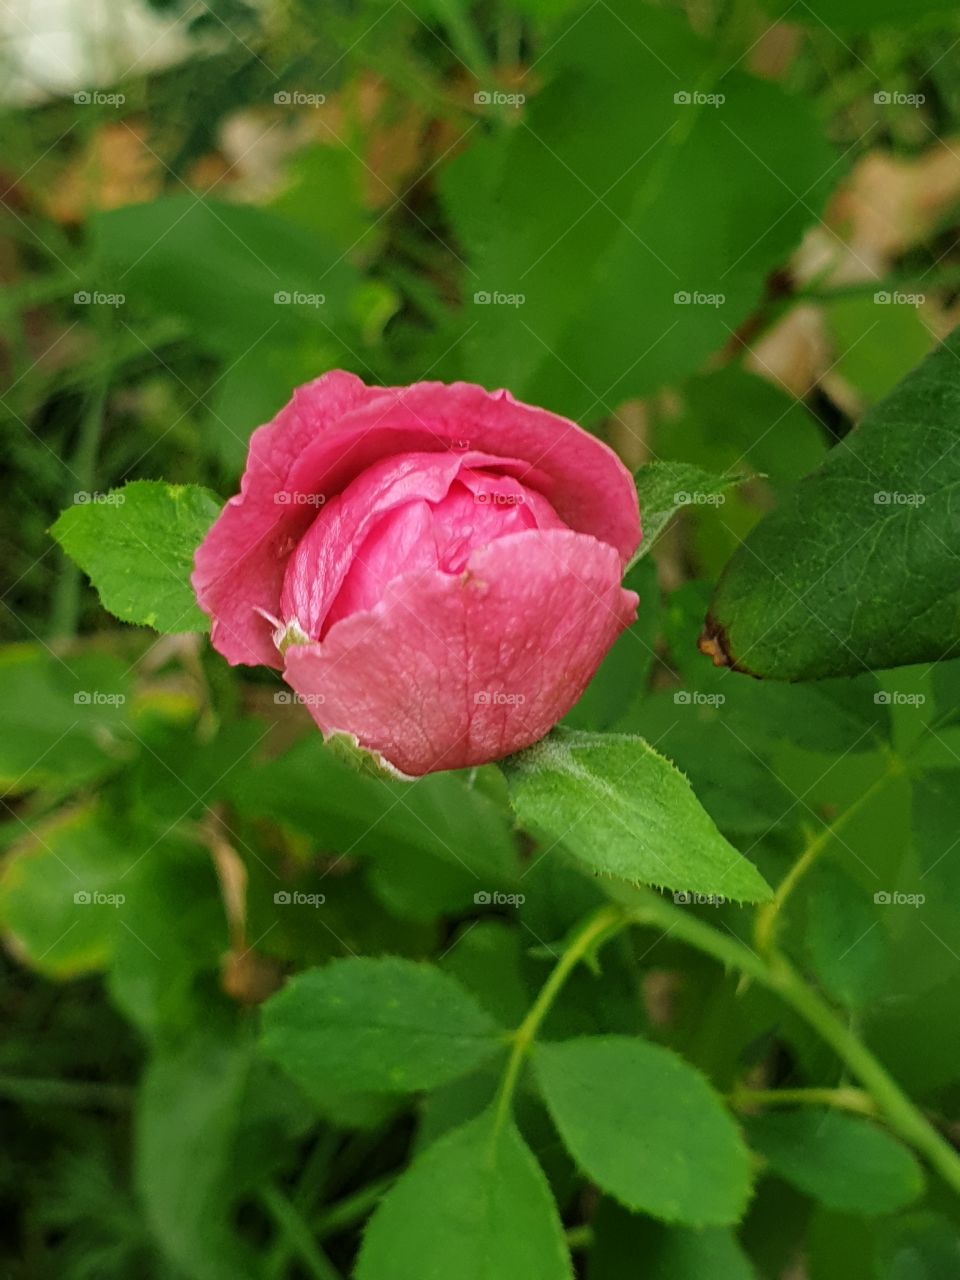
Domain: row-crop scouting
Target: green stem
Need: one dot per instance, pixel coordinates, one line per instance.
(298, 1235)
(67, 1093)
(606, 921)
(779, 976)
(843, 1099)
(352, 1208)
(769, 915)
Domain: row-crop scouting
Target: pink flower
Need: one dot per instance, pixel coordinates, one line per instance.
(435, 568)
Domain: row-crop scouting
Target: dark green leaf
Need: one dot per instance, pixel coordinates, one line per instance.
(845, 1162)
(859, 567)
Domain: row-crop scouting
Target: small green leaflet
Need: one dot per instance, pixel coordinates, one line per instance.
(624, 810)
(474, 1206)
(136, 544)
(664, 488)
(377, 1026)
(846, 1162)
(647, 1128)
(859, 566)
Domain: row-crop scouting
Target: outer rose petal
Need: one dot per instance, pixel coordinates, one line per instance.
(240, 564)
(450, 671)
(333, 429)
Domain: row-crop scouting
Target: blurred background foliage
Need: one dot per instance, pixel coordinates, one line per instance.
(224, 167)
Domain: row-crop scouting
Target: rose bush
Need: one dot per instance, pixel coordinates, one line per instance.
(436, 569)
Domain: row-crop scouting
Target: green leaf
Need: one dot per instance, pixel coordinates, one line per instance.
(476, 1206)
(137, 549)
(625, 811)
(238, 275)
(377, 1026)
(598, 198)
(845, 1162)
(846, 938)
(62, 895)
(668, 1252)
(859, 15)
(647, 1128)
(858, 567)
(440, 833)
(664, 488)
(64, 717)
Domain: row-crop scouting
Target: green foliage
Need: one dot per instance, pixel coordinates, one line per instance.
(270, 1014)
(646, 1128)
(475, 1204)
(137, 548)
(377, 1026)
(624, 810)
(857, 567)
(843, 1161)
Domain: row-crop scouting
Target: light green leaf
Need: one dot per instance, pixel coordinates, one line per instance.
(859, 566)
(665, 488)
(62, 895)
(845, 1162)
(475, 1206)
(377, 1026)
(625, 811)
(137, 548)
(647, 1128)
(859, 15)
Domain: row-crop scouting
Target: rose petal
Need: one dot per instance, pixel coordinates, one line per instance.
(450, 671)
(336, 427)
(239, 567)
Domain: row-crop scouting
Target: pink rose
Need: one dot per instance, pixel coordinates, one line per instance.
(435, 568)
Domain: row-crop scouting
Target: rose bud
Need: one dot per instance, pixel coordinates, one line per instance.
(436, 569)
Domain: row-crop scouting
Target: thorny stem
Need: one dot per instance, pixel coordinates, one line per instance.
(778, 975)
(599, 926)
